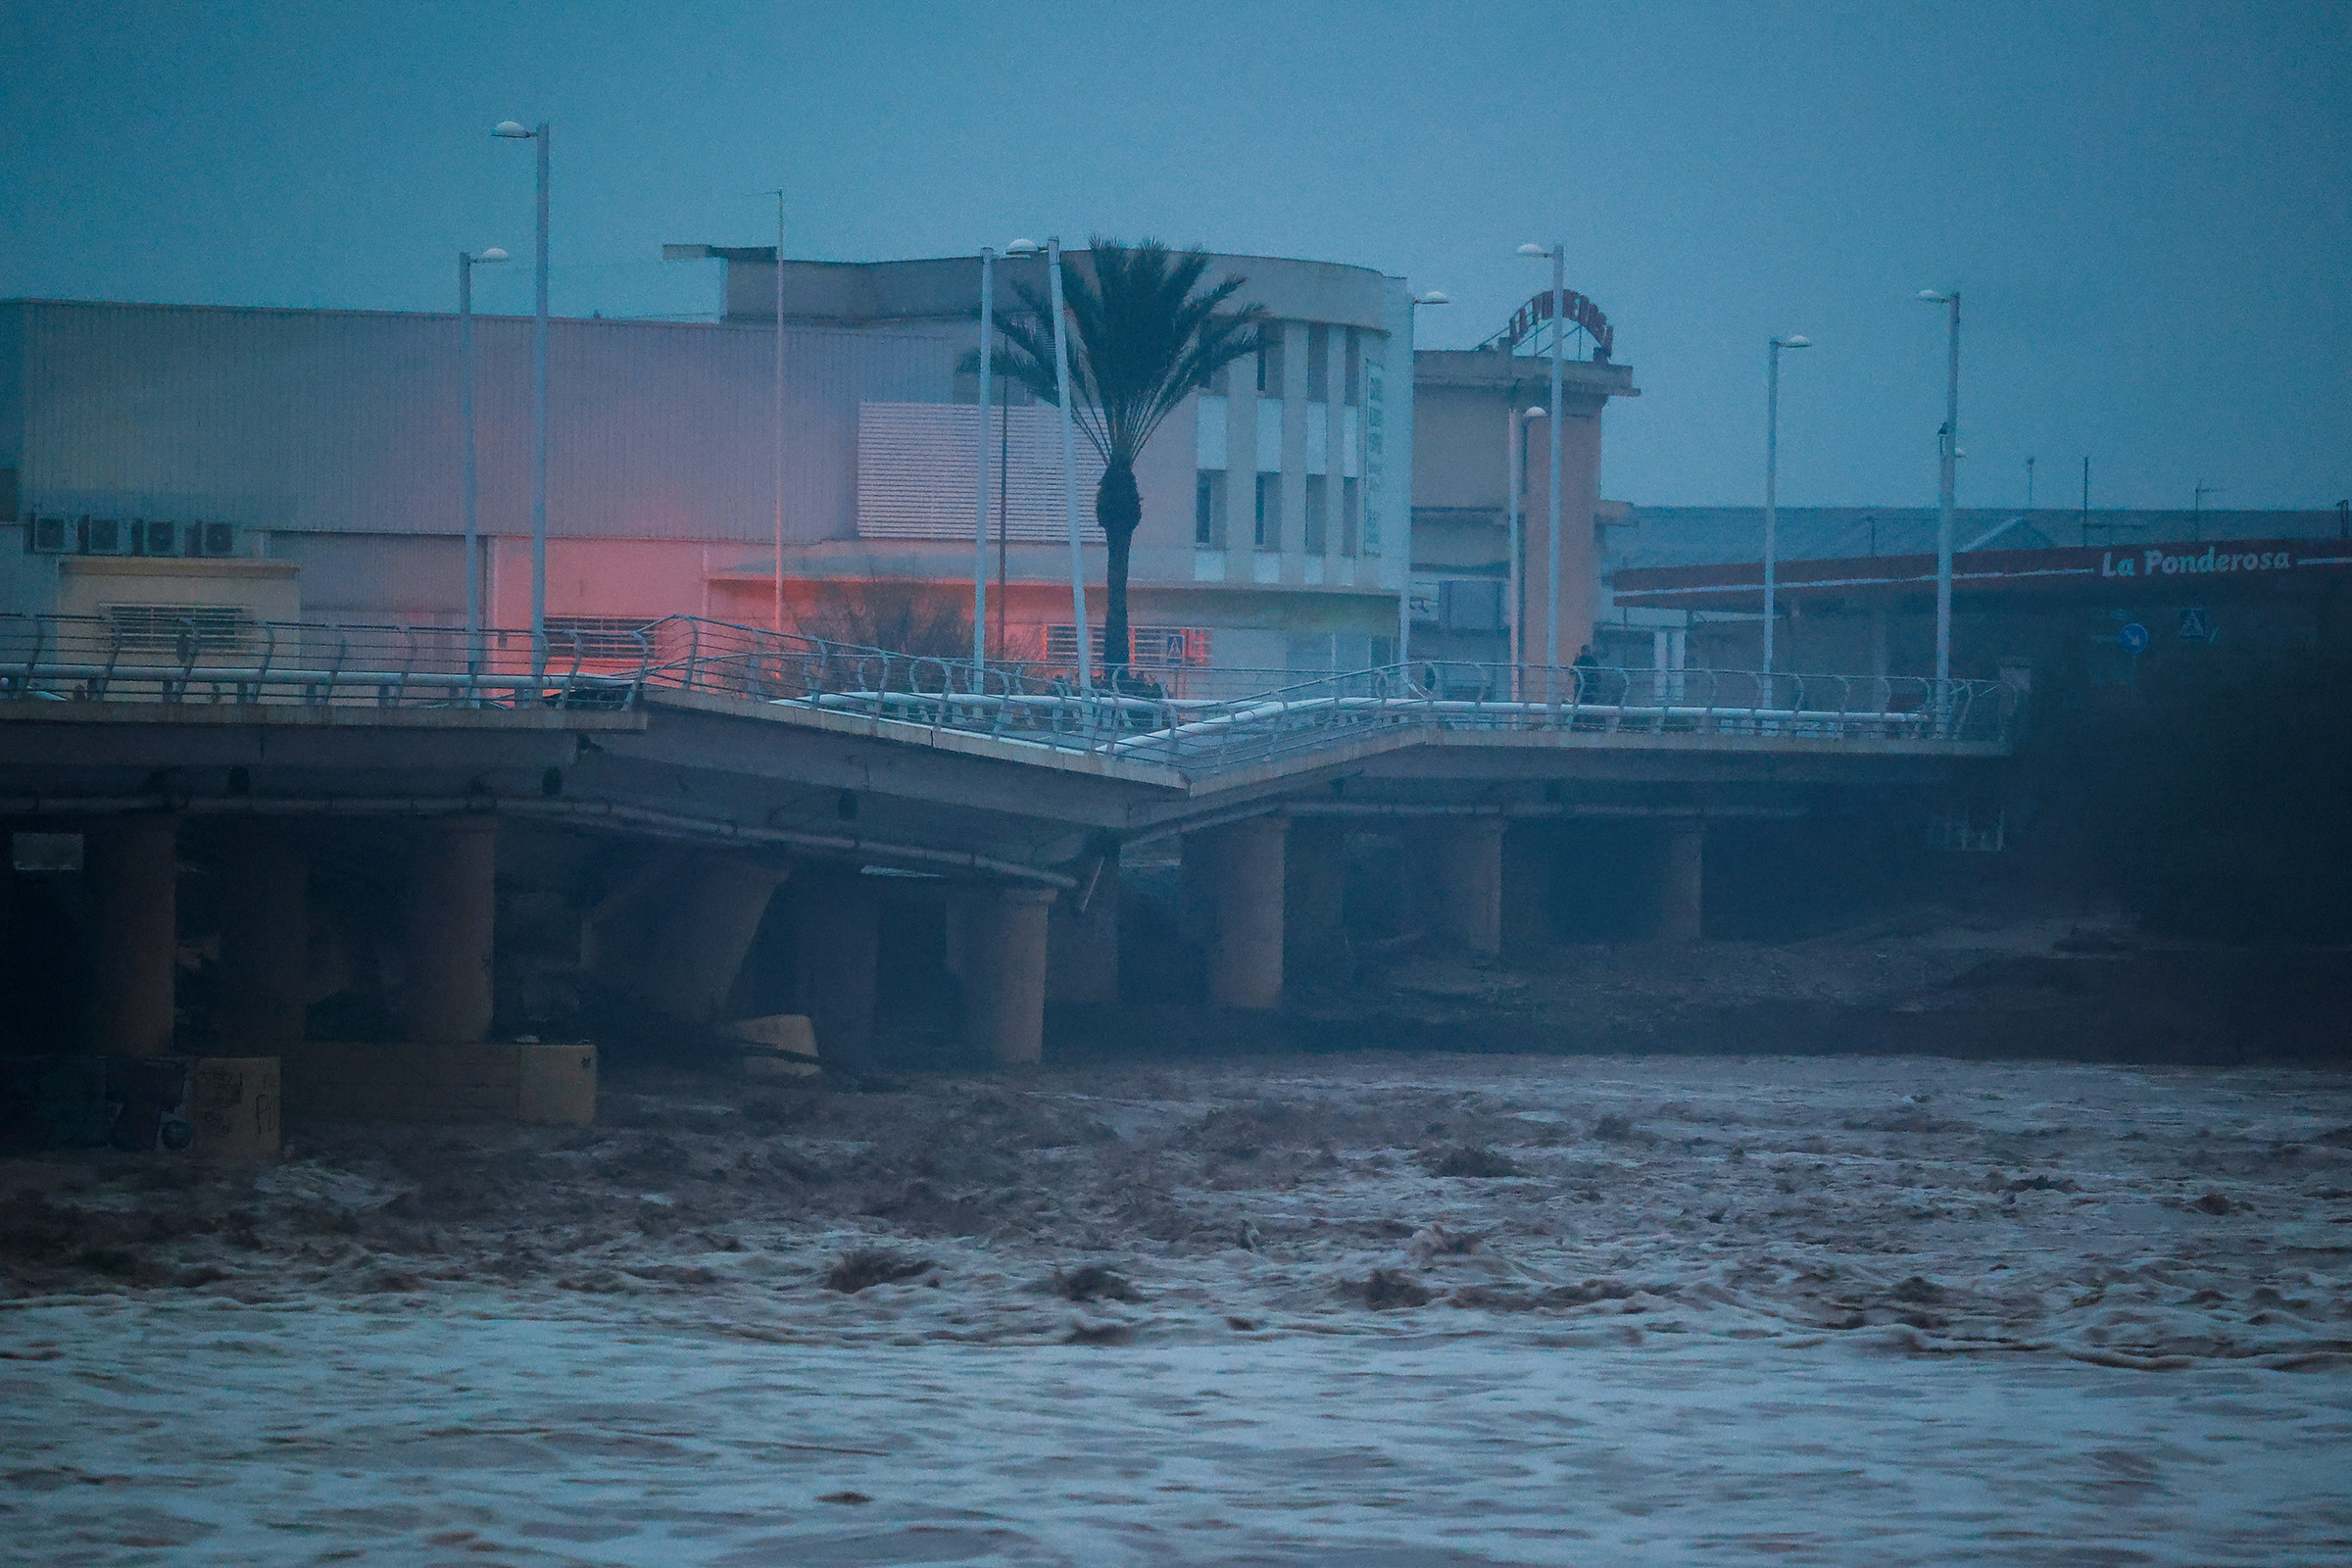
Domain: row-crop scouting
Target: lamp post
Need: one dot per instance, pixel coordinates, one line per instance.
(777, 436)
(466, 262)
(1948, 451)
(1560, 339)
(988, 327)
(1405, 532)
(512, 130)
(1515, 443)
(1069, 447)
(1772, 482)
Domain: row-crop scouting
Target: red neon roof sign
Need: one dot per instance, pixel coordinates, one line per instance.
(1582, 312)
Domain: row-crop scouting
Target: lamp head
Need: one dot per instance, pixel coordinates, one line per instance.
(1537, 251)
(493, 254)
(1536, 411)
(1796, 340)
(512, 130)
(1935, 296)
(1023, 247)
(1434, 296)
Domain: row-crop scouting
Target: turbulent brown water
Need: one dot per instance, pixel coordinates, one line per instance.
(1366, 1308)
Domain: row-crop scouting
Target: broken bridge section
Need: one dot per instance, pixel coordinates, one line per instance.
(420, 838)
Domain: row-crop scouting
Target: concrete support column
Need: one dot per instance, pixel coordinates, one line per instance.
(840, 941)
(265, 942)
(698, 924)
(131, 866)
(1005, 972)
(1082, 944)
(1528, 849)
(1465, 882)
(1682, 863)
(452, 912)
(1243, 868)
(1314, 884)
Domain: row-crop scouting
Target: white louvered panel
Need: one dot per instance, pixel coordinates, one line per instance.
(1318, 437)
(1349, 447)
(1269, 435)
(1210, 413)
(915, 469)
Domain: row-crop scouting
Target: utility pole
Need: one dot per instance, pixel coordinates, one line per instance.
(2196, 508)
(2029, 484)
(1950, 443)
(2086, 502)
(779, 429)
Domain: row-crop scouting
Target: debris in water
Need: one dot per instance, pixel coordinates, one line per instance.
(844, 1496)
(1388, 1288)
(1092, 1282)
(871, 1266)
(2212, 1204)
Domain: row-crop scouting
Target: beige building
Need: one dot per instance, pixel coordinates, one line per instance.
(1465, 597)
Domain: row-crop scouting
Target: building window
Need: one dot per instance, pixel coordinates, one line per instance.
(1220, 380)
(1269, 361)
(1356, 367)
(1269, 512)
(1350, 519)
(1318, 363)
(1313, 544)
(1209, 511)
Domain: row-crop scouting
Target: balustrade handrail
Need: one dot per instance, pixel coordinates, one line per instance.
(1274, 714)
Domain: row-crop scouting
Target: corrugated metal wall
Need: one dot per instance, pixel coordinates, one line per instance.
(918, 462)
(347, 421)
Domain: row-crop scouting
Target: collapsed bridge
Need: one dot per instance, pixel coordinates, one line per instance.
(445, 834)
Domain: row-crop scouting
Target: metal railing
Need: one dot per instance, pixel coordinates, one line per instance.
(1241, 718)
(1142, 719)
(155, 658)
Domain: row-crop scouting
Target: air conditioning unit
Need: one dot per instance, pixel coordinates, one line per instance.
(102, 536)
(152, 536)
(212, 538)
(48, 536)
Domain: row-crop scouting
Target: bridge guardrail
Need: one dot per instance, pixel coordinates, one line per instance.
(98, 659)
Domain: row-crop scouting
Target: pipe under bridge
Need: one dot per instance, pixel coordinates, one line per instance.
(672, 779)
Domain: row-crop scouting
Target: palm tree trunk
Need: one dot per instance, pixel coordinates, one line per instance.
(1119, 507)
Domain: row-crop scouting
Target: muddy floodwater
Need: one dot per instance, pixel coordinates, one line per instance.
(1364, 1310)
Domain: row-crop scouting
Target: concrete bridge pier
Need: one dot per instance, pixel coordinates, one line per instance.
(1528, 850)
(1242, 872)
(1682, 865)
(1314, 882)
(695, 932)
(132, 868)
(1464, 866)
(264, 941)
(1003, 958)
(838, 941)
(452, 914)
(1082, 939)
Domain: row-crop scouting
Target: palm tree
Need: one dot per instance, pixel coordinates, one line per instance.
(1140, 341)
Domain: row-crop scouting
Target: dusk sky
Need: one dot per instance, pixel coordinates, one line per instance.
(2147, 207)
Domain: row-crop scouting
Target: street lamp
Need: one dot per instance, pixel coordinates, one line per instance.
(1515, 443)
(1559, 337)
(1772, 482)
(1069, 445)
(1404, 531)
(510, 130)
(1948, 451)
(466, 262)
(987, 338)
